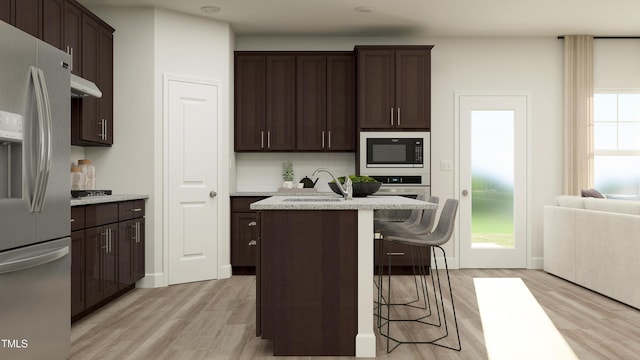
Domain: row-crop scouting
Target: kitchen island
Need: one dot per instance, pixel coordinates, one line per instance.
(315, 273)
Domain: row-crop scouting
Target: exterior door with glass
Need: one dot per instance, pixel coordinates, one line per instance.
(492, 181)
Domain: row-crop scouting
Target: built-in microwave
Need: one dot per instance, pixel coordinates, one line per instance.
(401, 158)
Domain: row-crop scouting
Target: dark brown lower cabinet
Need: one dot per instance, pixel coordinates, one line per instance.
(130, 252)
(77, 272)
(107, 253)
(101, 271)
(245, 232)
(400, 256)
(307, 282)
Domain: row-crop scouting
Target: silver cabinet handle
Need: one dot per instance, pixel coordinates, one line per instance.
(135, 232)
(105, 235)
(136, 209)
(138, 231)
(110, 241)
(73, 220)
(252, 243)
(253, 223)
(329, 139)
(323, 139)
(268, 139)
(391, 116)
(262, 139)
(398, 118)
(33, 261)
(395, 254)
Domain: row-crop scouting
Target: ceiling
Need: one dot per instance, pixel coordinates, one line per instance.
(412, 17)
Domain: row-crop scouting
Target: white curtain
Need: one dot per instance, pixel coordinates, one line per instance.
(578, 113)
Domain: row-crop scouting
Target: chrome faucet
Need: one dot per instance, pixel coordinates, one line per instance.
(347, 190)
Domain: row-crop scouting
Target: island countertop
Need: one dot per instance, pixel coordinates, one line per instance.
(370, 202)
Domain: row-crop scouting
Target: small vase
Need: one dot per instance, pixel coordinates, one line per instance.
(287, 184)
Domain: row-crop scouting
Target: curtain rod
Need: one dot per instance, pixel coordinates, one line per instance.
(608, 37)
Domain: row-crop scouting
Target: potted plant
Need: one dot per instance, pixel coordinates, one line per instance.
(362, 185)
(287, 175)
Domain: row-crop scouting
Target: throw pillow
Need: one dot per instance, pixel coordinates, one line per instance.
(591, 193)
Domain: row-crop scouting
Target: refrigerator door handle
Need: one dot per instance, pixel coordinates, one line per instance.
(47, 137)
(33, 261)
(41, 135)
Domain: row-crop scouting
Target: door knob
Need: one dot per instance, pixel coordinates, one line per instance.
(213, 194)
(465, 192)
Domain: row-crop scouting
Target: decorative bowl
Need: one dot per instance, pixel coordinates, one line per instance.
(361, 189)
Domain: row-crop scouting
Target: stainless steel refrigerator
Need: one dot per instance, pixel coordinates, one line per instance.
(34, 198)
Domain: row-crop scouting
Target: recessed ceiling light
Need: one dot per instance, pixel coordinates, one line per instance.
(210, 9)
(364, 9)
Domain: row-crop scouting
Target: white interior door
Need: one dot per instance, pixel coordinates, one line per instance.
(493, 181)
(192, 181)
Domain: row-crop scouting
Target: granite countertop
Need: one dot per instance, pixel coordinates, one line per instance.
(335, 202)
(293, 192)
(106, 199)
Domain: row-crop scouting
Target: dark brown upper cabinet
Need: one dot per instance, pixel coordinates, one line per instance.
(294, 101)
(394, 87)
(264, 102)
(26, 15)
(91, 118)
(325, 102)
(62, 28)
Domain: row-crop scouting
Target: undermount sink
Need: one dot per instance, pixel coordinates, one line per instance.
(313, 199)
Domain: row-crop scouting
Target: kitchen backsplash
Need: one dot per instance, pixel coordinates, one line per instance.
(262, 171)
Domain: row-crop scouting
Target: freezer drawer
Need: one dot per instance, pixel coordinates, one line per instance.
(35, 301)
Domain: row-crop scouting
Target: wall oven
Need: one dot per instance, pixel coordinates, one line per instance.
(396, 158)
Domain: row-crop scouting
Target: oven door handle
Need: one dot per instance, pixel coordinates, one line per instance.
(33, 261)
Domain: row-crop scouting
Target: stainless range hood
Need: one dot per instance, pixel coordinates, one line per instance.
(82, 87)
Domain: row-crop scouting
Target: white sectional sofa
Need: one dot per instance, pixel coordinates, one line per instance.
(595, 243)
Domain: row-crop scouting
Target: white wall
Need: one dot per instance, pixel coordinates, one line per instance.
(262, 171)
(148, 43)
(476, 64)
(615, 64)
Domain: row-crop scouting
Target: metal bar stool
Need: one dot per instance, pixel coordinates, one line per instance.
(420, 239)
(420, 221)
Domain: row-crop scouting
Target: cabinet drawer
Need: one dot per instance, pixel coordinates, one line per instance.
(77, 218)
(399, 254)
(241, 203)
(101, 214)
(130, 209)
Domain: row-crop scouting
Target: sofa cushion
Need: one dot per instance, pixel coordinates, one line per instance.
(570, 201)
(615, 206)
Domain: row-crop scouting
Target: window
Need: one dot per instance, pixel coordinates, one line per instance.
(617, 142)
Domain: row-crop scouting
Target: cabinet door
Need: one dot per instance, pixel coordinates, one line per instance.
(245, 230)
(52, 22)
(110, 262)
(71, 35)
(94, 243)
(101, 246)
(104, 82)
(126, 237)
(77, 272)
(91, 128)
(341, 93)
(249, 126)
(5, 11)
(413, 89)
(311, 102)
(28, 16)
(376, 96)
(138, 263)
(280, 103)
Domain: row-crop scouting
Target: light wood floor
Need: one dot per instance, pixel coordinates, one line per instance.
(215, 320)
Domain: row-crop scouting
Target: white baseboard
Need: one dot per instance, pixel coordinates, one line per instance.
(152, 281)
(536, 263)
(224, 272)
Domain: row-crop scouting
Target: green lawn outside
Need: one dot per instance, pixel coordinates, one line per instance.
(492, 220)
